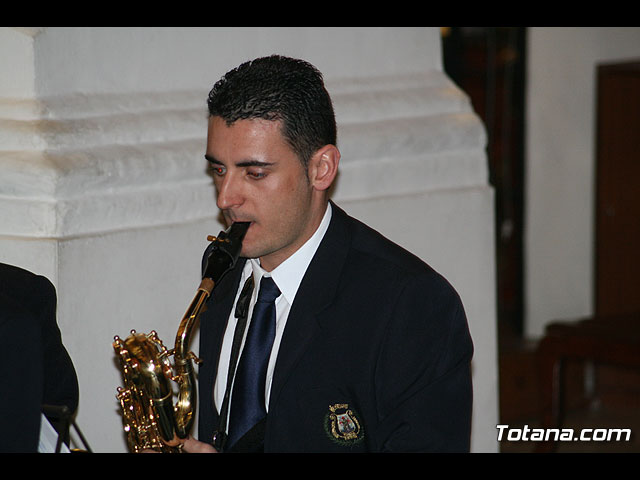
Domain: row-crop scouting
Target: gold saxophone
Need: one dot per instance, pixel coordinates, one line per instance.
(151, 421)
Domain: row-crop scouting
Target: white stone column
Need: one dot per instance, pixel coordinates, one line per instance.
(103, 189)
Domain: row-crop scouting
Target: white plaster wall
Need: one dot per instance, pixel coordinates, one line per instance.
(103, 187)
(560, 160)
(16, 49)
(160, 59)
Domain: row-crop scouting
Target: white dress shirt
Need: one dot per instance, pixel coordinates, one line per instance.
(287, 277)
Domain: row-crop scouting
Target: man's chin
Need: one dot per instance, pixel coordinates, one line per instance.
(251, 250)
(248, 249)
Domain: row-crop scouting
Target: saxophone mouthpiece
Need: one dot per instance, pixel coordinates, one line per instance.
(236, 232)
(224, 250)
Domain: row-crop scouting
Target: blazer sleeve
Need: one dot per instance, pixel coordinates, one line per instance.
(21, 386)
(60, 378)
(423, 377)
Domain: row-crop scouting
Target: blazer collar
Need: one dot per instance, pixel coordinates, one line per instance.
(316, 292)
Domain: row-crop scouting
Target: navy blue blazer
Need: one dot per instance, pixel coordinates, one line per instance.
(375, 355)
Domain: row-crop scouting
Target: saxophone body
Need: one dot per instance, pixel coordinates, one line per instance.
(151, 421)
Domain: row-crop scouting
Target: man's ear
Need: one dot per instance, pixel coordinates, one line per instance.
(323, 167)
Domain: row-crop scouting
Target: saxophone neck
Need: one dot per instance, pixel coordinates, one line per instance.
(185, 329)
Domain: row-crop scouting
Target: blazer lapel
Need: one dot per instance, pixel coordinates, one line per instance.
(315, 294)
(213, 323)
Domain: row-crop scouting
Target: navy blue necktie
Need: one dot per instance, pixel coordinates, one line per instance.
(248, 400)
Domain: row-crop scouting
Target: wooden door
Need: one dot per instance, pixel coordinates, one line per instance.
(617, 258)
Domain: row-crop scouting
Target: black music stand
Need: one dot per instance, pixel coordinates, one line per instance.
(61, 419)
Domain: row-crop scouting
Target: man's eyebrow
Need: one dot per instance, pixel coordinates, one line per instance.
(244, 163)
(253, 163)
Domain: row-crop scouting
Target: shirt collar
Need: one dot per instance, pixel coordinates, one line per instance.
(288, 275)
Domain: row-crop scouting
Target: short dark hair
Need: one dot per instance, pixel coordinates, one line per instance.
(279, 88)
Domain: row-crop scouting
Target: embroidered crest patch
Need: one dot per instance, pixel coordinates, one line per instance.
(342, 425)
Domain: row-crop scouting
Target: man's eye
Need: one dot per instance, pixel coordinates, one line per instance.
(217, 170)
(256, 174)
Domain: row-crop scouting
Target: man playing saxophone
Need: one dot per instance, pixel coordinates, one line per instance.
(325, 336)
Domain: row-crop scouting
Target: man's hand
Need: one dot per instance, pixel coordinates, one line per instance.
(191, 445)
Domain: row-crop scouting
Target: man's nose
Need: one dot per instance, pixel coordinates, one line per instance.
(229, 192)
